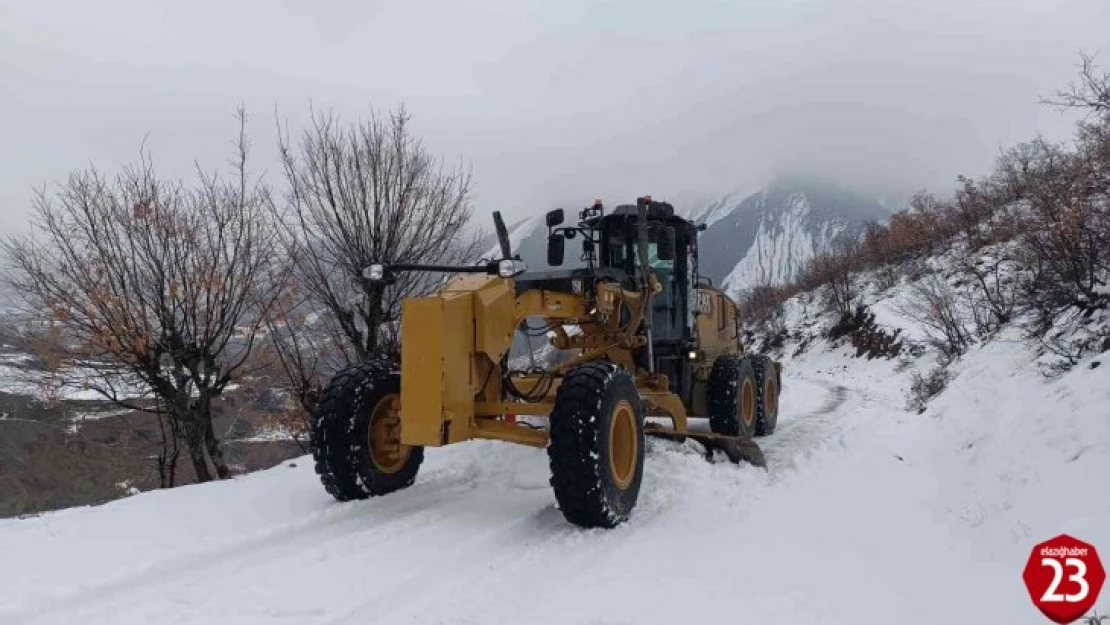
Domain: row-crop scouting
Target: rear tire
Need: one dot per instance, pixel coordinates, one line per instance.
(768, 388)
(731, 395)
(596, 451)
(356, 435)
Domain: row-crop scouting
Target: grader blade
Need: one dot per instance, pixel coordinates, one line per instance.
(736, 449)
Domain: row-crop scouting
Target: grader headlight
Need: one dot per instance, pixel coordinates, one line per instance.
(374, 272)
(508, 268)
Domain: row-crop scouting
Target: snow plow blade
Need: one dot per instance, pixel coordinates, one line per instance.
(736, 449)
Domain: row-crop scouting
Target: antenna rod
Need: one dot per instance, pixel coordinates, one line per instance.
(647, 294)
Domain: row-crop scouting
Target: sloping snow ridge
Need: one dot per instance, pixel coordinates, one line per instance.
(784, 243)
(869, 513)
(715, 210)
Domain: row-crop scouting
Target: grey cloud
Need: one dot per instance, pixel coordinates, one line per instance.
(552, 103)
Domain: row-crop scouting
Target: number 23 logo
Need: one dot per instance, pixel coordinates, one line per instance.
(1079, 577)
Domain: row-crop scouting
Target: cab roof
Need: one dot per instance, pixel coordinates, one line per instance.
(656, 211)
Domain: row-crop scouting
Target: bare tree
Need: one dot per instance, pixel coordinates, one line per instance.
(1065, 243)
(993, 292)
(935, 305)
(358, 194)
(1089, 93)
(836, 268)
(150, 292)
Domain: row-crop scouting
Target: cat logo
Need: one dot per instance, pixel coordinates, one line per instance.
(705, 302)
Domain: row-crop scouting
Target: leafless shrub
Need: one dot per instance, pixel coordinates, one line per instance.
(992, 293)
(762, 307)
(1073, 336)
(925, 387)
(969, 209)
(935, 305)
(835, 271)
(865, 335)
(877, 252)
(1065, 248)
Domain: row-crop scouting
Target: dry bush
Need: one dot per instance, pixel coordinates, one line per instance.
(763, 305)
(925, 387)
(835, 271)
(1065, 247)
(762, 311)
(935, 305)
(865, 335)
(993, 292)
(876, 252)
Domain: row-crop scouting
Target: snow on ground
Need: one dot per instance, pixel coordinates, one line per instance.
(868, 514)
(20, 380)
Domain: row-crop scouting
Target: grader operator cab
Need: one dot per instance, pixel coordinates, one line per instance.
(651, 347)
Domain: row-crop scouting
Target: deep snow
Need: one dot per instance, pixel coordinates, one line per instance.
(869, 514)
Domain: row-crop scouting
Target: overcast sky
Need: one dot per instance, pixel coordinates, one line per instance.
(555, 102)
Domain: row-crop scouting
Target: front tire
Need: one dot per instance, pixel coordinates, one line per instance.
(356, 435)
(732, 393)
(596, 451)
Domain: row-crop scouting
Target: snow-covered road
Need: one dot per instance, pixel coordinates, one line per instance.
(844, 528)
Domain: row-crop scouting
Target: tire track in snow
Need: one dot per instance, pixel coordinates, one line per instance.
(544, 533)
(387, 515)
(798, 437)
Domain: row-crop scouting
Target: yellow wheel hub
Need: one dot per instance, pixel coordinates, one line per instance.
(624, 445)
(747, 402)
(771, 397)
(384, 436)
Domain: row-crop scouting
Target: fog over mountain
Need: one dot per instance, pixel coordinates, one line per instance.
(551, 103)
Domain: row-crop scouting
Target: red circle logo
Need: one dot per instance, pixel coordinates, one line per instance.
(1063, 577)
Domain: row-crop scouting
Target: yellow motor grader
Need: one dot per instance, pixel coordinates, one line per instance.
(648, 346)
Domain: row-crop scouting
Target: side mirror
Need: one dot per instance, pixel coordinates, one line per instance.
(555, 246)
(666, 246)
(554, 218)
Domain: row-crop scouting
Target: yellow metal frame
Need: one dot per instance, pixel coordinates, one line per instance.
(454, 341)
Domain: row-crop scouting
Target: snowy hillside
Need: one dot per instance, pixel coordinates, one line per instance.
(869, 513)
(714, 210)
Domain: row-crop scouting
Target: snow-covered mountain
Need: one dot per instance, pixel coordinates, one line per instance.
(769, 236)
(762, 237)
